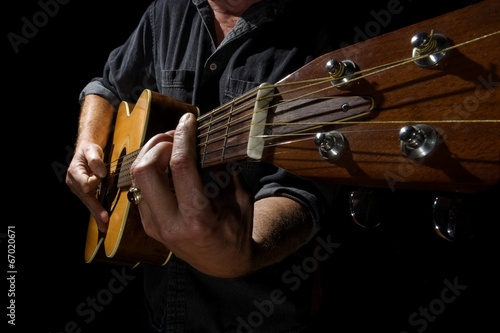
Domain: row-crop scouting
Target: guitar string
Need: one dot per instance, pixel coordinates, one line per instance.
(314, 82)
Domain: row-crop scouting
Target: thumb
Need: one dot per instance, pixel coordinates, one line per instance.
(94, 155)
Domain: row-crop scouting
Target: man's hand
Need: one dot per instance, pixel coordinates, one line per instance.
(84, 175)
(87, 167)
(214, 235)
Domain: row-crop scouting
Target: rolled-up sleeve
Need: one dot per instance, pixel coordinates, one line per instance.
(265, 180)
(129, 68)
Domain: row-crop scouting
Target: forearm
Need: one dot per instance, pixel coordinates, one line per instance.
(281, 226)
(95, 120)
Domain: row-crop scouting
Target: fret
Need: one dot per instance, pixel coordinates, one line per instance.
(204, 154)
(227, 133)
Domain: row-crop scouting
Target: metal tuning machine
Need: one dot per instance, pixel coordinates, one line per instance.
(454, 218)
(432, 47)
(366, 208)
(331, 145)
(341, 71)
(418, 141)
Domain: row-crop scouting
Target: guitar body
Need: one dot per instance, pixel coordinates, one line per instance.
(463, 87)
(125, 241)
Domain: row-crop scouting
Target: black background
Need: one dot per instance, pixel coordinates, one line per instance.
(377, 278)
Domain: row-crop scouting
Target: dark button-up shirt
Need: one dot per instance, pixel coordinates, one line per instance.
(174, 51)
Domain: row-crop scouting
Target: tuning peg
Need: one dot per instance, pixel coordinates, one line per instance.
(365, 208)
(417, 140)
(331, 145)
(341, 71)
(420, 41)
(452, 218)
(432, 45)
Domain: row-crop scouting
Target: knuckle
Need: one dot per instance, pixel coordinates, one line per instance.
(140, 171)
(179, 164)
(92, 154)
(69, 181)
(150, 231)
(86, 189)
(160, 137)
(199, 232)
(92, 159)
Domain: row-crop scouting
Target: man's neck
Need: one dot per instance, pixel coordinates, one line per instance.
(227, 13)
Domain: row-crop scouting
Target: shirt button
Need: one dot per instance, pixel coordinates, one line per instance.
(213, 66)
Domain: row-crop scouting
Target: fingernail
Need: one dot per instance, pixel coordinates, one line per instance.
(185, 118)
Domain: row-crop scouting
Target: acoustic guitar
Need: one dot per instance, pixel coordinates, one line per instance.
(418, 108)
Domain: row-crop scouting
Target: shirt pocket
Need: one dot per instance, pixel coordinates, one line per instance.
(178, 84)
(235, 88)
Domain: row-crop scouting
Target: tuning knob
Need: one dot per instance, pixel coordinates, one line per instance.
(431, 45)
(341, 71)
(453, 218)
(417, 140)
(366, 208)
(331, 145)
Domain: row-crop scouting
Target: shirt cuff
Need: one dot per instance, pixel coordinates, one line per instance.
(96, 88)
